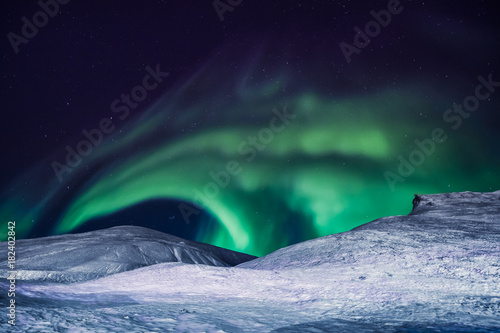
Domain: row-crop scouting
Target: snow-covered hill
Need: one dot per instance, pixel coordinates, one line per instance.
(434, 270)
(454, 232)
(85, 256)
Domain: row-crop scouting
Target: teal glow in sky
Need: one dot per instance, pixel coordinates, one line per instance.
(322, 171)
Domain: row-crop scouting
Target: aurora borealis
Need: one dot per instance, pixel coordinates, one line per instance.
(318, 172)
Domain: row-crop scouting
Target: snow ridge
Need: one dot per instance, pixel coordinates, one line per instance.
(84, 256)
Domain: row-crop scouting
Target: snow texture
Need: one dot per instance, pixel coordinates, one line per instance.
(434, 270)
(86, 256)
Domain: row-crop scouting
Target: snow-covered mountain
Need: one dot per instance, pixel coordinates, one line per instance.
(434, 270)
(441, 232)
(85, 256)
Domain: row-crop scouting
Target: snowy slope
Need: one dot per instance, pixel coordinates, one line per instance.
(442, 231)
(84, 256)
(435, 270)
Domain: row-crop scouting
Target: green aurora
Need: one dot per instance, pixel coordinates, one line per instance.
(323, 171)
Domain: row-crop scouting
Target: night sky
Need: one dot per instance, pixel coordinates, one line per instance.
(285, 121)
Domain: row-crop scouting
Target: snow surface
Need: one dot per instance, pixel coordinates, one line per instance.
(89, 255)
(435, 270)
